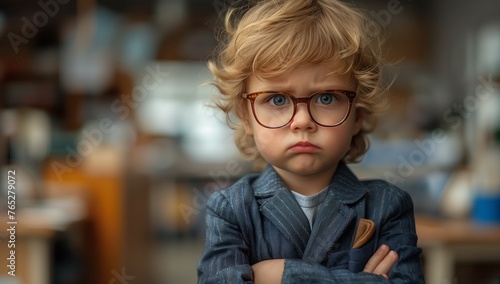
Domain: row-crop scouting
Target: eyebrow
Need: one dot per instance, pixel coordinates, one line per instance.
(311, 91)
(307, 95)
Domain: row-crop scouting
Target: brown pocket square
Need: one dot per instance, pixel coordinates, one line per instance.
(365, 230)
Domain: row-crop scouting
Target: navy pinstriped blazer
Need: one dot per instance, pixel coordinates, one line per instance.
(258, 218)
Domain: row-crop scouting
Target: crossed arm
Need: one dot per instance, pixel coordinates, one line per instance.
(271, 271)
(226, 258)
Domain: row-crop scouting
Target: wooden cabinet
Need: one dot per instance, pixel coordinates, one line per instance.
(105, 231)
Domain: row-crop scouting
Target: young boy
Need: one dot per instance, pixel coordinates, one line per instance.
(302, 80)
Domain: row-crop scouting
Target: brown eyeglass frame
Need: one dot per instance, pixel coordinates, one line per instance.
(351, 95)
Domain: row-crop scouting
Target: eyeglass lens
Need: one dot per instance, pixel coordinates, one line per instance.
(276, 110)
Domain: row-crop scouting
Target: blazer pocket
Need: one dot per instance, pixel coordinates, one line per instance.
(358, 257)
(338, 260)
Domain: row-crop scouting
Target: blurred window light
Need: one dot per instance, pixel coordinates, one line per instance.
(160, 116)
(488, 49)
(179, 105)
(205, 137)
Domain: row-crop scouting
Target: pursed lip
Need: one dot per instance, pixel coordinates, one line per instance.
(304, 147)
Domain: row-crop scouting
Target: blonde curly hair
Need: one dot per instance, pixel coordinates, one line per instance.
(273, 36)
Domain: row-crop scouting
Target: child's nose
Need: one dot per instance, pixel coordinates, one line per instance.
(302, 118)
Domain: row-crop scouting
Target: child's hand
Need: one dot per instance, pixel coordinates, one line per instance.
(381, 261)
(271, 271)
(268, 271)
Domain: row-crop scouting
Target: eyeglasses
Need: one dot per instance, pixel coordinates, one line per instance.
(276, 109)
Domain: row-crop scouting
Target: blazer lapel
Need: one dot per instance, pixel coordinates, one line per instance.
(282, 209)
(335, 214)
(331, 222)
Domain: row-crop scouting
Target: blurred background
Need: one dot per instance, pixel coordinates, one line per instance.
(105, 118)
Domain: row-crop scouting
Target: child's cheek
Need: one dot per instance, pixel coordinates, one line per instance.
(265, 140)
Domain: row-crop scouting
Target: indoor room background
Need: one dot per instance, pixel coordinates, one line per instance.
(110, 145)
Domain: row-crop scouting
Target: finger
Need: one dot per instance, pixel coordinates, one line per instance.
(386, 264)
(376, 258)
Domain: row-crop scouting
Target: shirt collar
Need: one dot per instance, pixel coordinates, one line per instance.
(346, 187)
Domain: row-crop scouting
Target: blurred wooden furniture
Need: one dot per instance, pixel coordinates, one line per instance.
(35, 228)
(104, 240)
(445, 242)
(118, 238)
(32, 255)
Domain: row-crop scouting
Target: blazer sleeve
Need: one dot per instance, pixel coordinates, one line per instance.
(397, 230)
(225, 259)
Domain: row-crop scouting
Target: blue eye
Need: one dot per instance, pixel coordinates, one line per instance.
(326, 98)
(279, 100)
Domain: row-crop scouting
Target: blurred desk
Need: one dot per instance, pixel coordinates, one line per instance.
(35, 229)
(445, 242)
(32, 254)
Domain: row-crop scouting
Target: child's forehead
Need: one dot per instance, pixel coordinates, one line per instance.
(301, 78)
(317, 70)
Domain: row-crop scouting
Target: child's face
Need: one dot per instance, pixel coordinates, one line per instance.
(320, 148)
